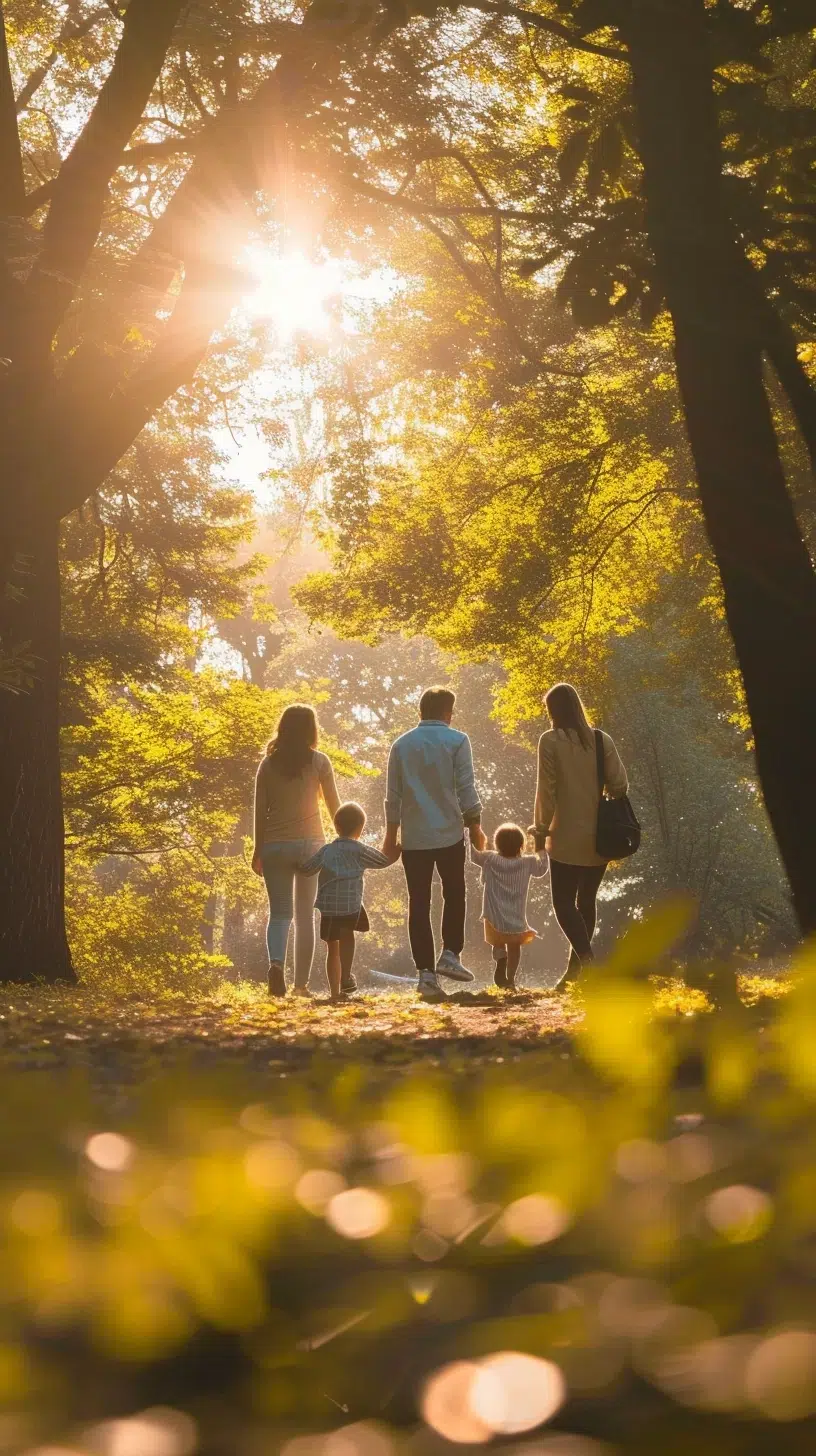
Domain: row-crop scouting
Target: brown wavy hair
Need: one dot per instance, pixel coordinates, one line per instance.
(295, 740)
(563, 703)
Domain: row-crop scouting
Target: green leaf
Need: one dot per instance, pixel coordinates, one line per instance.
(648, 941)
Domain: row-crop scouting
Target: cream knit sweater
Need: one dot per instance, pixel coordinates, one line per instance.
(567, 794)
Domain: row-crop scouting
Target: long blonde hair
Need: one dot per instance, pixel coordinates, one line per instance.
(563, 703)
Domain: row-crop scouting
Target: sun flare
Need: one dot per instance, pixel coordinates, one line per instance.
(292, 292)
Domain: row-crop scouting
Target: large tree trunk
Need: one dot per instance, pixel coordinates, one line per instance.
(33, 943)
(767, 575)
(61, 437)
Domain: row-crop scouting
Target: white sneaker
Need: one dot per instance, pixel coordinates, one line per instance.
(450, 965)
(429, 988)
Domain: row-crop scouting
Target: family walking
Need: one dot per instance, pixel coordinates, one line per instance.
(431, 806)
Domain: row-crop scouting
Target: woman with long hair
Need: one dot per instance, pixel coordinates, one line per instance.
(566, 815)
(292, 778)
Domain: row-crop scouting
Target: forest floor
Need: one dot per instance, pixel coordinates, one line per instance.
(123, 1039)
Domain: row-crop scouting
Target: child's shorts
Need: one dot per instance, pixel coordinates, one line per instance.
(334, 927)
(507, 937)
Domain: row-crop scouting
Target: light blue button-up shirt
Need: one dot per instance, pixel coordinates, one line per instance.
(430, 790)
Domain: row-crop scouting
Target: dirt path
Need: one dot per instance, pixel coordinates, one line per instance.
(125, 1040)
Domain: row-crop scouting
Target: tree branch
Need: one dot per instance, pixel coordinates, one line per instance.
(496, 297)
(424, 210)
(208, 295)
(12, 179)
(95, 421)
(134, 156)
(780, 345)
(504, 10)
(236, 155)
(191, 88)
(80, 190)
(69, 32)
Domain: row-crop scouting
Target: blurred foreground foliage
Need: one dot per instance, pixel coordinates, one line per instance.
(605, 1252)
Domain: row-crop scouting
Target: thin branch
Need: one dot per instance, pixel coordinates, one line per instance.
(192, 90)
(12, 178)
(650, 495)
(537, 481)
(424, 210)
(207, 297)
(506, 11)
(136, 156)
(500, 305)
(629, 525)
(536, 64)
(71, 30)
(37, 199)
(210, 212)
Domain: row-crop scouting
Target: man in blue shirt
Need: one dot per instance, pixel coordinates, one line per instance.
(431, 798)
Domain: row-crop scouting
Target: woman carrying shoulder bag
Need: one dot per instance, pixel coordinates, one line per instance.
(290, 782)
(566, 815)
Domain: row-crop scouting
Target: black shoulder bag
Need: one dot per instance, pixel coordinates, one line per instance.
(618, 832)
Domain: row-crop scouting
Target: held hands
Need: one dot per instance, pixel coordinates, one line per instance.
(256, 862)
(391, 847)
(478, 838)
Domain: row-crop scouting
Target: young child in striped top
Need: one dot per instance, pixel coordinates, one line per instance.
(506, 875)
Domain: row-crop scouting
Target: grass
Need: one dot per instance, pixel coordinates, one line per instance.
(124, 1039)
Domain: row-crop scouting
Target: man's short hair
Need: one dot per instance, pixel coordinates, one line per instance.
(436, 703)
(349, 819)
(509, 840)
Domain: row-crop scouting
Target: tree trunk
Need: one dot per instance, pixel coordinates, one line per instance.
(767, 575)
(33, 943)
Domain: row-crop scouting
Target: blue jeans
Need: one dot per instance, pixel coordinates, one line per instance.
(291, 895)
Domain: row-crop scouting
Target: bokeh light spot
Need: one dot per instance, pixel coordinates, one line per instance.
(316, 1188)
(513, 1392)
(536, 1219)
(690, 1156)
(364, 1438)
(156, 1432)
(632, 1307)
(358, 1213)
(740, 1213)
(641, 1160)
(446, 1406)
(780, 1376)
(271, 1165)
(109, 1151)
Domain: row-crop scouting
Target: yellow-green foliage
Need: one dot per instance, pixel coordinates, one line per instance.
(300, 1251)
(158, 785)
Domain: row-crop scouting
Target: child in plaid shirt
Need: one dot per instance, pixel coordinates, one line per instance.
(342, 866)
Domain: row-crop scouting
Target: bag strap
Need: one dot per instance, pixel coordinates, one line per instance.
(600, 762)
